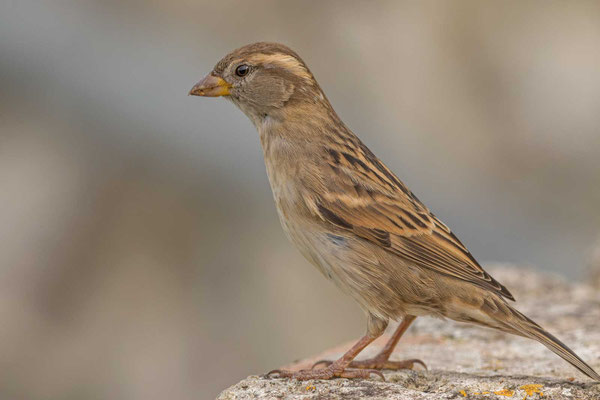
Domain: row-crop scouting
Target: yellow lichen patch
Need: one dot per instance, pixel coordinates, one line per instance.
(531, 390)
(310, 388)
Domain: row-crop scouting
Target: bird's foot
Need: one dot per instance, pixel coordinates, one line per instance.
(376, 363)
(331, 371)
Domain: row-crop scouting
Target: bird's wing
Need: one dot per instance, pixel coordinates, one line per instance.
(366, 198)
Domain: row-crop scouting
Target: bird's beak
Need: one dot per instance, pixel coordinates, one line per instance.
(211, 86)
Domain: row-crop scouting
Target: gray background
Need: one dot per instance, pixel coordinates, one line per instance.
(141, 256)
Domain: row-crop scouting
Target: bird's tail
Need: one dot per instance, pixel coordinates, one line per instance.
(519, 324)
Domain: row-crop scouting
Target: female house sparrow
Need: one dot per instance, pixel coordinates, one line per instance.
(354, 219)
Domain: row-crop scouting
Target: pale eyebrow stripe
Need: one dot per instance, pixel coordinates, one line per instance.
(283, 60)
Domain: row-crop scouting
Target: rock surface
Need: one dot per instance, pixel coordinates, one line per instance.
(471, 362)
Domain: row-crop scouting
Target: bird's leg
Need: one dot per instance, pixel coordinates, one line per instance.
(382, 360)
(339, 368)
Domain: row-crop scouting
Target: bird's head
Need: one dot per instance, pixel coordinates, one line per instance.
(263, 80)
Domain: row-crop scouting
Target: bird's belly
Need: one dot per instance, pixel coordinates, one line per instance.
(386, 289)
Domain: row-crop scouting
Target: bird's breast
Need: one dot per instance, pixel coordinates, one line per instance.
(290, 174)
(285, 169)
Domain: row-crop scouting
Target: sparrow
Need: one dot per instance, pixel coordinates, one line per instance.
(352, 218)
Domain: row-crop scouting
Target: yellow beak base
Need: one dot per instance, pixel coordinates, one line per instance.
(211, 86)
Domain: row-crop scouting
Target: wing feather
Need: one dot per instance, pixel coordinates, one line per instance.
(366, 198)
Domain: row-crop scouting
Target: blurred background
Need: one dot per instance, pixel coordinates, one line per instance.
(141, 256)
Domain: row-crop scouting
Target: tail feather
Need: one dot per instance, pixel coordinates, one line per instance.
(528, 328)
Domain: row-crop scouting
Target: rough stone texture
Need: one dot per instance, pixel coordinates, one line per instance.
(471, 362)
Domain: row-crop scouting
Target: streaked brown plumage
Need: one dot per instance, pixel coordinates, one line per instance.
(354, 219)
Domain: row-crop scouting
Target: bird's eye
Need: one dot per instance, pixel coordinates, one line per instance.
(242, 70)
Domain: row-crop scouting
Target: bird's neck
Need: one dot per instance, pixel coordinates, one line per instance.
(301, 124)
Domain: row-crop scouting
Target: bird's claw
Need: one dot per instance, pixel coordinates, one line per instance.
(377, 364)
(326, 373)
(326, 362)
(271, 372)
